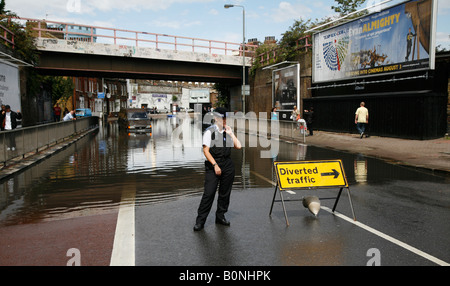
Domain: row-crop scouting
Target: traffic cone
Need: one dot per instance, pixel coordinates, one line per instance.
(312, 203)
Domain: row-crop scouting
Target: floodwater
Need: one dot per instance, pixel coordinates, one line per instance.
(91, 175)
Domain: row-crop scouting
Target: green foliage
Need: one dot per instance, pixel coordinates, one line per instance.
(61, 87)
(347, 6)
(288, 42)
(223, 95)
(25, 50)
(288, 48)
(3, 7)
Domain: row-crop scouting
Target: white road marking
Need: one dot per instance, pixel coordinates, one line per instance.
(374, 231)
(123, 253)
(389, 238)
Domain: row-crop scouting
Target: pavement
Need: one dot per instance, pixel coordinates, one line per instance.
(432, 154)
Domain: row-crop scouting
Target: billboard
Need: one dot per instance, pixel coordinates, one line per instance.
(286, 88)
(9, 86)
(397, 39)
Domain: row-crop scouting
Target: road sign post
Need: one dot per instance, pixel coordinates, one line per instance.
(302, 175)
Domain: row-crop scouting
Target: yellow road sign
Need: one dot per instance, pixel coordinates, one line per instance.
(307, 174)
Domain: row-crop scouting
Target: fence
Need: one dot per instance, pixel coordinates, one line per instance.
(26, 141)
(287, 129)
(89, 33)
(7, 36)
(271, 56)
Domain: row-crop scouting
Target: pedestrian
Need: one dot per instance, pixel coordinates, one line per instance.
(9, 118)
(295, 115)
(57, 113)
(218, 140)
(9, 122)
(69, 116)
(274, 114)
(309, 115)
(361, 119)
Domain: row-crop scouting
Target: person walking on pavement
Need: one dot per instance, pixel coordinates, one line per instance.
(308, 114)
(274, 114)
(218, 140)
(361, 118)
(295, 114)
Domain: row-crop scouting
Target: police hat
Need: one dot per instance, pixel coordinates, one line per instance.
(220, 112)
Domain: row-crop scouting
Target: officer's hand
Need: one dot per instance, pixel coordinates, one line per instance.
(228, 130)
(217, 170)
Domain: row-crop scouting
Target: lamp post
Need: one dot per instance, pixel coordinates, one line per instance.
(226, 6)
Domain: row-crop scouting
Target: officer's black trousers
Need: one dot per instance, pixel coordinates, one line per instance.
(225, 183)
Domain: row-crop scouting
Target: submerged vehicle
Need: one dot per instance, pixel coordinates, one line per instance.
(134, 120)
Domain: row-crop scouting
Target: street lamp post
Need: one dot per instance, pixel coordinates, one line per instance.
(226, 6)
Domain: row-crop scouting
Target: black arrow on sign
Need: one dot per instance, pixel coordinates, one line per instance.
(334, 173)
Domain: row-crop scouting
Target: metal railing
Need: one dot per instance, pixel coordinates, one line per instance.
(7, 36)
(89, 33)
(24, 142)
(285, 129)
(270, 57)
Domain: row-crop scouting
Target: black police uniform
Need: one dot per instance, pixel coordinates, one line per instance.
(221, 152)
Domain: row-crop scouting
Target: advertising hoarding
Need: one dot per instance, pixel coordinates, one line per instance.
(397, 39)
(286, 88)
(9, 86)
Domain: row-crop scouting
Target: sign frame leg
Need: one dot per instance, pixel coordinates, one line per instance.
(349, 198)
(284, 209)
(273, 200)
(282, 202)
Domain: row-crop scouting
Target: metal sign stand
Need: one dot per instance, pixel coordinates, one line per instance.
(290, 200)
(320, 174)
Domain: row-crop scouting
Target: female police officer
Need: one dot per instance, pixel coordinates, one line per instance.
(218, 140)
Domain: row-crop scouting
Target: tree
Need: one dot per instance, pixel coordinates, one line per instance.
(61, 87)
(223, 95)
(288, 42)
(2, 7)
(347, 6)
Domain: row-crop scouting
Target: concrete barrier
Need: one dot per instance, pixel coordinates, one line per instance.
(30, 140)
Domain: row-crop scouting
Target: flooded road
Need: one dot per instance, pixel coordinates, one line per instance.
(90, 175)
(80, 190)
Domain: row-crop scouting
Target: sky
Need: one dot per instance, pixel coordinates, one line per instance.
(205, 19)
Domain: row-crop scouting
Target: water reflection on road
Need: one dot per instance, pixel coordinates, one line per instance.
(90, 175)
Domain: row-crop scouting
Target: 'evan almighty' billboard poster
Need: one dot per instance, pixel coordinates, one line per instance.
(397, 39)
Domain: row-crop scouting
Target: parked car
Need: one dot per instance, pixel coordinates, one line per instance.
(134, 120)
(83, 112)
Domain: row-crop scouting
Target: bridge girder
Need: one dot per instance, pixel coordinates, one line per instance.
(91, 65)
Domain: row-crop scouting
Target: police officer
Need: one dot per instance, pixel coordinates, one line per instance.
(219, 169)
